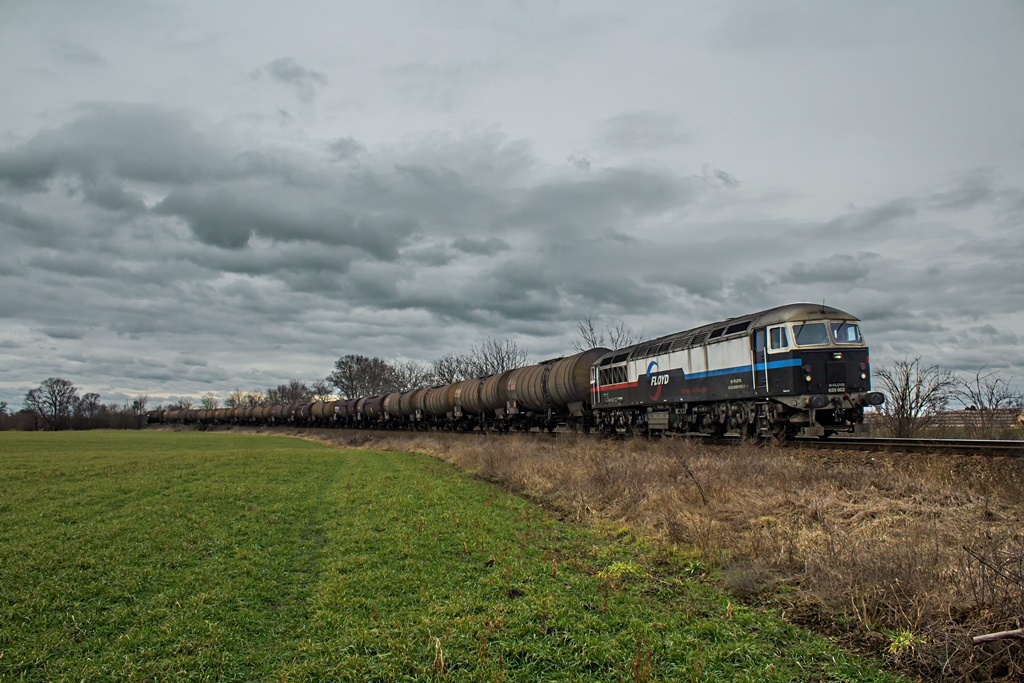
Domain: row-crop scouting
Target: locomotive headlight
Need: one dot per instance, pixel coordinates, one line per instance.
(808, 378)
(863, 375)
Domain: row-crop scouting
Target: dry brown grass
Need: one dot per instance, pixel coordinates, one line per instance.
(905, 556)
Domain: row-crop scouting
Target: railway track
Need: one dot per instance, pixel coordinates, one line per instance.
(982, 447)
(951, 446)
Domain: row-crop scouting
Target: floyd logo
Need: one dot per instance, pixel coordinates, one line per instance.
(657, 381)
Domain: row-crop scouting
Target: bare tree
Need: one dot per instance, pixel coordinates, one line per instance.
(321, 390)
(295, 391)
(914, 394)
(410, 375)
(3, 407)
(356, 376)
(990, 399)
(496, 355)
(254, 398)
(181, 404)
(450, 368)
(209, 401)
(54, 401)
(139, 404)
(235, 399)
(616, 337)
(89, 406)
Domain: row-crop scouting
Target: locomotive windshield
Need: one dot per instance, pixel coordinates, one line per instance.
(810, 334)
(846, 333)
(825, 334)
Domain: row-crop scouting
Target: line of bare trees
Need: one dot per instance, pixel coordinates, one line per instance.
(917, 395)
(56, 405)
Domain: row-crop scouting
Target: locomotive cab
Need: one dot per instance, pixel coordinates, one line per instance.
(818, 366)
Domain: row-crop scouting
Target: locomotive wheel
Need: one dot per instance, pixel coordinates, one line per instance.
(781, 433)
(748, 432)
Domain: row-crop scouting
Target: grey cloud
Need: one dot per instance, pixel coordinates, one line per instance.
(865, 220)
(601, 200)
(131, 142)
(716, 177)
(346, 148)
(63, 332)
(975, 188)
(113, 197)
(780, 26)
(305, 81)
(483, 247)
(617, 236)
(38, 230)
(696, 282)
(228, 218)
(582, 163)
(836, 268)
(77, 53)
(641, 131)
(616, 291)
(434, 256)
(6, 344)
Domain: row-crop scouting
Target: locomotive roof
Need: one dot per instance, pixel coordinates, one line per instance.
(771, 316)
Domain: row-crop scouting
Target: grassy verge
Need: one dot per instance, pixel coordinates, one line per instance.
(228, 557)
(901, 556)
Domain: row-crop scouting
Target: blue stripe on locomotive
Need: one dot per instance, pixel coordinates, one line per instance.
(772, 365)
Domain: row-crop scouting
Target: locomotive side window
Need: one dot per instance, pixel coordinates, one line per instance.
(846, 333)
(779, 338)
(810, 334)
(615, 375)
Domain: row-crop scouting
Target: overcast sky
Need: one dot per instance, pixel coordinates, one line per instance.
(203, 196)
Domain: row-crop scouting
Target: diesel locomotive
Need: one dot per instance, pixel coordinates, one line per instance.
(791, 370)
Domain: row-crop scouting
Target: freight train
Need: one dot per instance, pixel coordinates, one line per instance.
(791, 370)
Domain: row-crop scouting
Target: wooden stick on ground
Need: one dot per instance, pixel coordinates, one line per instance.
(1018, 633)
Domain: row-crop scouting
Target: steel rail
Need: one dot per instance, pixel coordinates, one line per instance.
(953, 446)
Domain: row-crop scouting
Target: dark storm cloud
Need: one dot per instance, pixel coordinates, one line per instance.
(228, 218)
(641, 131)
(128, 142)
(289, 72)
(113, 197)
(485, 247)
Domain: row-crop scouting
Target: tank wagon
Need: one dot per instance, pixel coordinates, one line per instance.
(794, 369)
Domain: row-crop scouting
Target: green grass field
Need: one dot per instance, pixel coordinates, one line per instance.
(161, 555)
